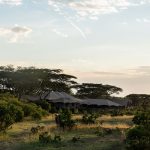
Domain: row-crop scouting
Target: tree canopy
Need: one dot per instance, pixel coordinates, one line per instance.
(139, 99)
(91, 90)
(30, 80)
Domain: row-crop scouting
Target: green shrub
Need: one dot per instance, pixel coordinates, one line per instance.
(34, 130)
(64, 119)
(9, 113)
(37, 129)
(28, 110)
(36, 116)
(45, 138)
(139, 137)
(116, 112)
(75, 139)
(34, 111)
(6, 119)
(89, 118)
(57, 139)
(142, 118)
(16, 112)
(44, 105)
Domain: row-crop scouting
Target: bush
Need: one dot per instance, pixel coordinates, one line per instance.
(139, 137)
(36, 116)
(37, 129)
(142, 118)
(89, 118)
(45, 138)
(16, 112)
(116, 112)
(28, 110)
(64, 119)
(12, 110)
(44, 105)
(57, 139)
(34, 111)
(75, 139)
(9, 114)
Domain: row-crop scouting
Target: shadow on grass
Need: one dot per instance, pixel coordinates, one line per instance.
(68, 145)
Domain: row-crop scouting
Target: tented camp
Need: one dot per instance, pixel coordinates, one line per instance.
(61, 99)
(64, 100)
(99, 103)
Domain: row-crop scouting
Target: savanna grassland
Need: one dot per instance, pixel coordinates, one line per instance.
(89, 137)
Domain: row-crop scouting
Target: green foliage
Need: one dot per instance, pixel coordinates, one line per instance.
(16, 112)
(30, 80)
(36, 116)
(75, 139)
(12, 110)
(9, 113)
(139, 137)
(57, 139)
(89, 118)
(142, 118)
(33, 110)
(64, 119)
(141, 100)
(92, 90)
(116, 112)
(44, 105)
(37, 129)
(47, 138)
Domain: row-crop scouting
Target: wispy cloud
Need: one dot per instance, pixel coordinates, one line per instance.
(93, 8)
(11, 2)
(77, 28)
(14, 34)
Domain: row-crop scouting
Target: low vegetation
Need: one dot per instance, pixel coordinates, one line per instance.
(12, 110)
(139, 136)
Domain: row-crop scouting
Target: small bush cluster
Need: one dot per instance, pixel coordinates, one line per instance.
(116, 112)
(9, 113)
(64, 119)
(104, 131)
(38, 129)
(75, 139)
(12, 110)
(47, 138)
(44, 105)
(139, 136)
(89, 118)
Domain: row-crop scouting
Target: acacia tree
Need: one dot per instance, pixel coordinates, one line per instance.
(91, 90)
(30, 80)
(139, 99)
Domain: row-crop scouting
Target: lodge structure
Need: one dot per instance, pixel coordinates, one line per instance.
(64, 100)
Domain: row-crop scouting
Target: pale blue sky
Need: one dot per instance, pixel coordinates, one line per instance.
(102, 41)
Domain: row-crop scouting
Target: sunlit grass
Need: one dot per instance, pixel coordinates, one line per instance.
(20, 133)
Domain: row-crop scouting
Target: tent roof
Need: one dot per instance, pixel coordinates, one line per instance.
(100, 102)
(61, 97)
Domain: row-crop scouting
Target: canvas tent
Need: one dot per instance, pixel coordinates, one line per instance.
(100, 102)
(64, 99)
(60, 97)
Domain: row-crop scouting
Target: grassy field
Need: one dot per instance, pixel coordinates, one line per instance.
(19, 137)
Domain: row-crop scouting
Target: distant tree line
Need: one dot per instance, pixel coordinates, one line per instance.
(31, 80)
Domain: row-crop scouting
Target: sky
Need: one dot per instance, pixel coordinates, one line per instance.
(99, 41)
